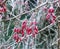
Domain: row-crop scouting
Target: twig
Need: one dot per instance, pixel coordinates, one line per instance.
(8, 27)
(33, 9)
(29, 11)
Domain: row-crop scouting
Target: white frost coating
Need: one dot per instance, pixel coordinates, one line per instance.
(33, 16)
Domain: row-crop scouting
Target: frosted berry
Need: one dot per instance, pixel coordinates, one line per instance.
(22, 32)
(36, 30)
(24, 24)
(53, 15)
(20, 39)
(48, 16)
(52, 21)
(16, 37)
(4, 9)
(29, 30)
(51, 9)
(1, 9)
(17, 30)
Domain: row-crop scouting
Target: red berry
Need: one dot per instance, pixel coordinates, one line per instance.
(20, 39)
(51, 10)
(52, 21)
(53, 15)
(36, 30)
(17, 40)
(22, 32)
(29, 30)
(4, 9)
(17, 30)
(48, 16)
(24, 24)
(16, 37)
(1, 10)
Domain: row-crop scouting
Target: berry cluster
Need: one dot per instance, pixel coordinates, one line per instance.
(25, 30)
(51, 16)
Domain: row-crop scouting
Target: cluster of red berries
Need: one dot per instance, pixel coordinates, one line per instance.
(29, 29)
(51, 16)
